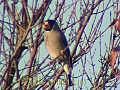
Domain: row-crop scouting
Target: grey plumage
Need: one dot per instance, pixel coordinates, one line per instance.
(57, 46)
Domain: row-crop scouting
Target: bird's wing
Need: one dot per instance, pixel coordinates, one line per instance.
(64, 41)
(67, 52)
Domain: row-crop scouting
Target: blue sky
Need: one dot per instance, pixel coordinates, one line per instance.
(95, 51)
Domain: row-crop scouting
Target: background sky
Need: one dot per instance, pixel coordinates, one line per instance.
(99, 48)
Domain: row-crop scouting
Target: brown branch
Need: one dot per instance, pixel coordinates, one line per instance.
(41, 12)
(84, 21)
(60, 8)
(55, 79)
(10, 70)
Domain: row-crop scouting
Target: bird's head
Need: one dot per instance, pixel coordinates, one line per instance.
(49, 25)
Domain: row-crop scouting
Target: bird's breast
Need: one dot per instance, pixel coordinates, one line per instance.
(54, 43)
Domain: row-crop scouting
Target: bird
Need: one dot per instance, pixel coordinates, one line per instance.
(57, 46)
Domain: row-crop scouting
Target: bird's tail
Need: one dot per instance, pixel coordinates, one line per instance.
(67, 69)
(69, 80)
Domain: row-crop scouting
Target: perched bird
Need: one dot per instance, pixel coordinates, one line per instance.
(57, 46)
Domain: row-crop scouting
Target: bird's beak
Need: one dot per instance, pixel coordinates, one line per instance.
(46, 26)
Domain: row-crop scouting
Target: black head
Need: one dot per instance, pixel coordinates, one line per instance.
(49, 24)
